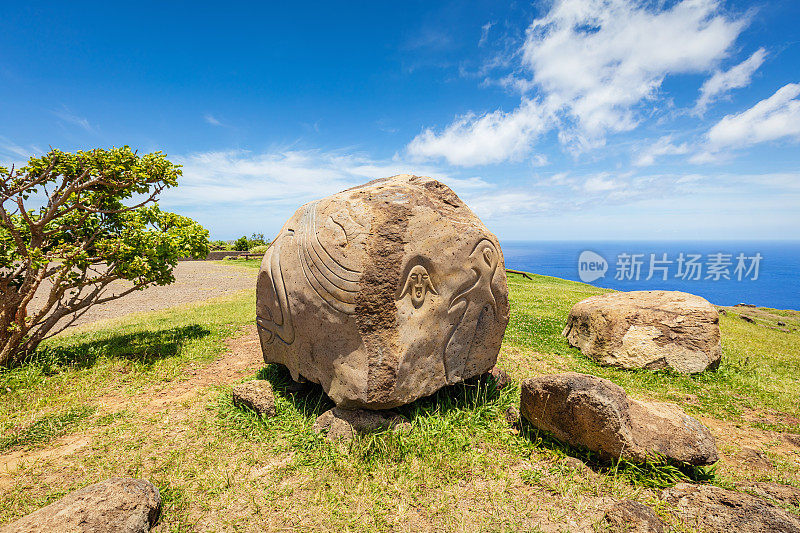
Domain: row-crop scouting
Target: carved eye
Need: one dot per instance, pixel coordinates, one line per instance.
(425, 276)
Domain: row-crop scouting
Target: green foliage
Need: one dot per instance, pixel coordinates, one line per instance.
(260, 249)
(220, 245)
(241, 244)
(84, 236)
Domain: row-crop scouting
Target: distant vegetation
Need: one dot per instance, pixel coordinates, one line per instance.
(255, 244)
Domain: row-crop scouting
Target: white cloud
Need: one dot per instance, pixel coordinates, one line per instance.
(774, 118)
(485, 33)
(211, 119)
(488, 138)
(662, 146)
(723, 81)
(590, 63)
(67, 116)
(599, 184)
(236, 190)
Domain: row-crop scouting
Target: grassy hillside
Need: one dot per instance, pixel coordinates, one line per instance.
(88, 407)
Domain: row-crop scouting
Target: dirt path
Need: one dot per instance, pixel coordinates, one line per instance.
(194, 281)
(242, 358)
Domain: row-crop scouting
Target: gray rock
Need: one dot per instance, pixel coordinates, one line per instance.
(256, 395)
(647, 329)
(344, 424)
(747, 318)
(594, 413)
(383, 293)
(713, 509)
(628, 516)
(116, 505)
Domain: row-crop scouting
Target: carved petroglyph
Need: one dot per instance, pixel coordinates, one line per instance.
(336, 284)
(282, 327)
(418, 284)
(383, 293)
(469, 307)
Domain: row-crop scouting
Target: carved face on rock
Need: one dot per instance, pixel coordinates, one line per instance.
(418, 284)
(383, 293)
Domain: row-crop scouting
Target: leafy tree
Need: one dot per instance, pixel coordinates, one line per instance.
(257, 239)
(80, 237)
(241, 244)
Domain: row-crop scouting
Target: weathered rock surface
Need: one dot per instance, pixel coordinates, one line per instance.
(782, 494)
(500, 377)
(383, 293)
(256, 395)
(344, 424)
(628, 516)
(713, 509)
(647, 329)
(596, 414)
(114, 505)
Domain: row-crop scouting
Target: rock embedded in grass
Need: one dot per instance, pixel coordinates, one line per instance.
(594, 413)
(116, 504)
(714, 509)
(647, 329)
(345, 424)
(255, 395)
(383, 293)
(629, 516)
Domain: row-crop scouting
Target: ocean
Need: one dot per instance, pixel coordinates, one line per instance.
(766, 274)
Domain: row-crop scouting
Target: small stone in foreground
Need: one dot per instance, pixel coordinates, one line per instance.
(594, 413)
(255, 395)
(717, 510)
(628, 516)
(117, 504)
(501, 377)
(344, 424)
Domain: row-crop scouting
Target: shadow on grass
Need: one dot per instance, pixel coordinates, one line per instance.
(308, 398)
(143, 348)
(658, 472)
(311, 399)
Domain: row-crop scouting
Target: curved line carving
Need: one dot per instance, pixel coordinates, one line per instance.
(485, 259)
(333, 282)
(283, 330)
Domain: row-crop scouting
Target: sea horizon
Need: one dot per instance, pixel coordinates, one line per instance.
(773, 282)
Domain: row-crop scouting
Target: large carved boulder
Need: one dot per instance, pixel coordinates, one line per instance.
(647, 329)
(383, 293)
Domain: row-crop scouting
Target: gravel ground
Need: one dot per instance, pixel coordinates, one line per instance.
(194, 281)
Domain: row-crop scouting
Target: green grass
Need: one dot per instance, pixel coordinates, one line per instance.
(46, 428)
(462, 467)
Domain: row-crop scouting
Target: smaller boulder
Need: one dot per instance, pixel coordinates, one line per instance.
(116, 504)
(344, 424)
(256, 395)
(594, 413)
(714, 509)
(628, 516)
(647, 329)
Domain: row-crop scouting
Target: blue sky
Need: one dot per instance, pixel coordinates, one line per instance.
(578, 119)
